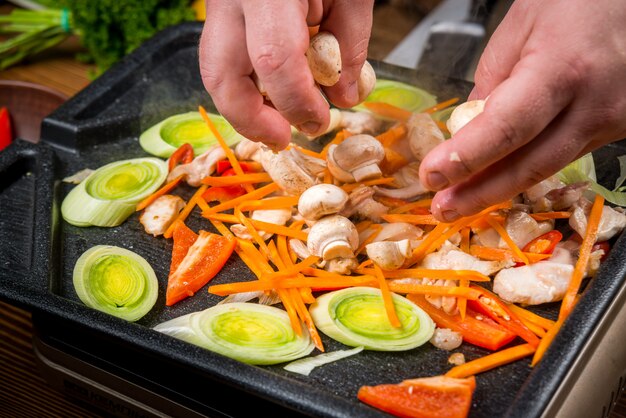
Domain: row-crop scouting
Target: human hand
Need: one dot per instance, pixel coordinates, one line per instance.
(555, 74)
(270, 38)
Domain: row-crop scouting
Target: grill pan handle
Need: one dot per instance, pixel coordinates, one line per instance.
(26, 199)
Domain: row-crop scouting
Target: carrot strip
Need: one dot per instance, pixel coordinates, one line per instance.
(328, 177)
(400, 286)
(298, 282)
(229, 153)
(445, 274)
(234, 180)
(387, 298)
(307, 295)
(290, 307)
(423, 203)
(491, 361)
(202, 204)
(392, 135)
(362, 226)
(583, 257)
(338, 139)
(154, 196)
(186, 211)
(366, 263)
(411, 219)
(252, 231)
(506, 237)
(280, 229)
(352, 186)
(544, 216)
(304, 314)
(531, 317)
(442, 126)
(388, 110)
(461, 303)
(254, 195)
(270, 203)
(441, 106)
(546, 341)
(502, 254)
(309, 152)
(536, 329)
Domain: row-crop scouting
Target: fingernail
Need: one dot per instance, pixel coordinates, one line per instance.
(450, 215)
(352, 93)
(310, 127)
(437, 181)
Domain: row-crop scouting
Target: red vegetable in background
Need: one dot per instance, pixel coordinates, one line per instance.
(6, 134)
(544, 244)
(183, 155)
(427, 397)
(226, 193)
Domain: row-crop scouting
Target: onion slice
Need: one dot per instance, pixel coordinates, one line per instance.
(116, 281)
(306, 365)
(399, 94)
(110, 194)
(356, 316)
(248, 332)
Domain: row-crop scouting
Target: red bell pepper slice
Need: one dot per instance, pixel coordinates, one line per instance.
(491, 305)
(427, 397)
(183, 155)
(204, 257)
(476, 329)
(6, 134)
(224, 165)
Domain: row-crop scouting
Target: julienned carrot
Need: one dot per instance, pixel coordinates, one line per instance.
(441, 106)
(507, 238)
(546, 341)
(352, 186)
(328, 177)
(254, 195)
(202, 204)
(291, 283)
(408, 207)
(289, 231)
(445, 274)
(270, 203)
(252, 231)
(392, 162)
(338, 139)
(543, 216)
(411, 219)
(163, 190)
(393, 134)
(442, 126)
(536, 329)
(502, 254)
(401, 286)
(387, 298)
(583, 257)
(465, 247)
(233, 180)
(491, 361)
(186, 211)
(531, 317)
(229, 153)
(389, 111)
(308, 152)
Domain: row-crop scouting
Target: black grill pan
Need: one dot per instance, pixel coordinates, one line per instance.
(102, 124)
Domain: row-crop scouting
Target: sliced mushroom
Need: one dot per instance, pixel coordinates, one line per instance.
(394, 231)
(332, 237)
(285, 171)
(389, 255)
(312, 165)
(321, 200)
(355, 122)
(160, 214)
(201, 166)
(410, 185)
(356, 159)
(464, 113)
(423, 134)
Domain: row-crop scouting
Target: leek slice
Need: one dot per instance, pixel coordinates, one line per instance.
(166, 136)
(248, 332)
(109, 195)
(306, 365)
(400, 95)
(583, 169)
(116, 281)
(356, 317)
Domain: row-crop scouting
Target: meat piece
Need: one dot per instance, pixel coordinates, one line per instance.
(536, 195)
(533, 284)
(522, 228)
(450, 257)
(446, 339)
(611, 223)
(201, 166)
(564, 197)
(160, 214)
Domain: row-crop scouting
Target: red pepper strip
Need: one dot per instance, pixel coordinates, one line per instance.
(490, 304)
(483, 332)
(183, 155)
(225, 193)
(426, 397)
(543, 244)
(204, 259)
(6, 134)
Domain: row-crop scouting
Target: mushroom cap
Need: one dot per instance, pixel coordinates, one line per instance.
(321, 200)
(389, 255)
(423, 134)
(356, 158)
(333, 236)
(464, 113)
(366, 81)
(324, 58)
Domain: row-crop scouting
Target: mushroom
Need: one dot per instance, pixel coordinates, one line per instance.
(201, 166)
(160, 214)
(410, 185)
(464, 113)
(362, 203)
(423, 134)
(366, 81)
(389, 255)
(394, 231)
(321, 200)
(342, 265)
(324, 58)
(285, 171)
(356, 159)
(333, 237)
(355, 122)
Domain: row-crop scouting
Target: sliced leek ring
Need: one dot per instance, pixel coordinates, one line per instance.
(248, 332)
(356, 317)
(166, 136)
(116, 281)
(401, 95)
(109, 195)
